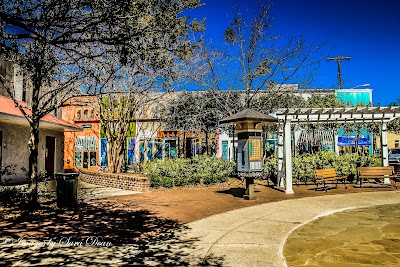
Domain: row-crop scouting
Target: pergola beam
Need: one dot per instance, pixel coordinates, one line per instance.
(363, 114)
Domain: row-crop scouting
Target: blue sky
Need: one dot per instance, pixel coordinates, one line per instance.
(366, 30)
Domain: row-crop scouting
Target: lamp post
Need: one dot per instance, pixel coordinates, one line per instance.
(361, 85)
(338, 59)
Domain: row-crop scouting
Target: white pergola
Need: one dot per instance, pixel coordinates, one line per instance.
(287, 117)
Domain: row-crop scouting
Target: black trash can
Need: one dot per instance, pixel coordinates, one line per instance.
(67, 189)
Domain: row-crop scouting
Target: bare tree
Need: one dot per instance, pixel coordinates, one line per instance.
(120, 107)
(267, 60)
(200, 110)
(63, 46)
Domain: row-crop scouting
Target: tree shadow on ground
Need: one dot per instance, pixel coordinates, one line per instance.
(95, 234)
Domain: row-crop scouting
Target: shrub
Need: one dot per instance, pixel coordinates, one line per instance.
(304, 165)
(180, 172)
(11, 196)
(6, 170)
(270, 168)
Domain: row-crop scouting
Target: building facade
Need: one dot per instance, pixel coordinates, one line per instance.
(14, 139)
(150, 140)
(82, 149)
(15, 129)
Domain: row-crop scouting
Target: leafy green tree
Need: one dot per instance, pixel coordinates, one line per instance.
(394, 125)
(323, 101)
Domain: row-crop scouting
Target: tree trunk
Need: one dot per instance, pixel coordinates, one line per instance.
(120, 155)
(184, 144)
(247, 96)
(110, 162)
(123, 155)
(33, 165)
(113, 151)
(356, 142)
(207, 146)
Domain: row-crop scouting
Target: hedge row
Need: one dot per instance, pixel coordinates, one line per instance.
(179, 172)
(304, 165)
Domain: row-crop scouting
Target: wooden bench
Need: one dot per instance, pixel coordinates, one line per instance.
(322, 176)
(366, 173)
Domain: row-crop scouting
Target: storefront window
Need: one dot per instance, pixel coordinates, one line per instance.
(78, 159)
(85, 162)
(85, 151)
(85, 114)
(93, 159)
(78, 116)
(92, 114)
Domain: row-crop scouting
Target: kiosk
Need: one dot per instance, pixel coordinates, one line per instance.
(250, 150)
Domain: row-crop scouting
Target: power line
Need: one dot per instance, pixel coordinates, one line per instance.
(338, 59)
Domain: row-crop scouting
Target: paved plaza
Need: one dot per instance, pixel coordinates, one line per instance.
(109, 236)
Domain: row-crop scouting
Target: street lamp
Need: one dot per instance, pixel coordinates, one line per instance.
(338, 59)
(361, 85)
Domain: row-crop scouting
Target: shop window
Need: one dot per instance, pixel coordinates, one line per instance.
(85, 114)
(85, 151)
(78, 159)
(396, 143)
(78, 116)
(91, 114)
(85, 160)
(93, 158)
(225, 150)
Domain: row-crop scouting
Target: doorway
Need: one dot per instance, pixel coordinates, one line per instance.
(50, 155)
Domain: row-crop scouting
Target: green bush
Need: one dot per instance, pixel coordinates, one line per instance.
(180, 172)
(11, 196)
(304, 165)
(6, 170)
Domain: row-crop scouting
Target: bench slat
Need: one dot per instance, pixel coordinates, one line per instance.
(321, 176)
(376, 173)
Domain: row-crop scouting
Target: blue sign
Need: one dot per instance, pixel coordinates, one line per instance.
(103, 152)
(350, 141)
(131, 150)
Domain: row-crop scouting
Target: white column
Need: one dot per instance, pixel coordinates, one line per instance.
(384, 147)
(296, 136)
(288, 157)
(280, 155)
(336, 137)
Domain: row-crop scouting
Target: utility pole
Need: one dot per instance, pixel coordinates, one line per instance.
(338, 59)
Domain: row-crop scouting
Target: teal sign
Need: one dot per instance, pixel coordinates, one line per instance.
(353, 97)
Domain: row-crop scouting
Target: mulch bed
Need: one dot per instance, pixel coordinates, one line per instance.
(193, 203)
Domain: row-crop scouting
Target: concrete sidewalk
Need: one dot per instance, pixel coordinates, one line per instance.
(86, 191)
(255, 236)
(251, 236)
